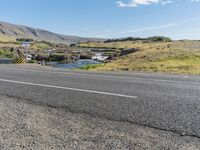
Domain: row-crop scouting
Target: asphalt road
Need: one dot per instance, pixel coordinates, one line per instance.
(166, 102)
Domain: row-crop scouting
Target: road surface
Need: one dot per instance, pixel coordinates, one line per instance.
(165, 102)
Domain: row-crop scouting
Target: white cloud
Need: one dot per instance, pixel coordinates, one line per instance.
(136, 3)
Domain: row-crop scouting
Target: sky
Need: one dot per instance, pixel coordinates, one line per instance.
(177, 19)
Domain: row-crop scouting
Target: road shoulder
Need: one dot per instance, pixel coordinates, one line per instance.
(28, 126)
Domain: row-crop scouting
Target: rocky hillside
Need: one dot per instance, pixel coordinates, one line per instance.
(9, 32)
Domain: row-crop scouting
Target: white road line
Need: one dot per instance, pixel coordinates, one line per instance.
(68, 88)
(102, 76)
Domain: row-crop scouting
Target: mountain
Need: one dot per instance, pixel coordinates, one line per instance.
(11, 32)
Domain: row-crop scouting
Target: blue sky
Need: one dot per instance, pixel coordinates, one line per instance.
(178, 19)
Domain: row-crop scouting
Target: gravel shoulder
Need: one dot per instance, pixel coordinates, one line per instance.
(28, 126)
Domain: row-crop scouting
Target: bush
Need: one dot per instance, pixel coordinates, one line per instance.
(6, 54)
(24, 40)
(55, 57)
(154, 39)
(159, 39)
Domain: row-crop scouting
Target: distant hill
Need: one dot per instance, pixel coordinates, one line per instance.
(10, 32)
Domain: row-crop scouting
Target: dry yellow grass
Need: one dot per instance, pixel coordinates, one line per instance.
(4, 38)
(168, 57)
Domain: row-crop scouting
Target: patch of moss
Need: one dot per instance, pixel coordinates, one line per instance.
(90, 67)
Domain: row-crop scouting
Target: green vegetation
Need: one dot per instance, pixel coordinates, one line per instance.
(157, 54)
(99, 45)
(89, 67)
(40, 46)
(149, 39)
(169, 57)
(43, 45)
(5, 38)
(32, 61)
(124, 43)
(24, 40)
(6, 54)
(56, 57)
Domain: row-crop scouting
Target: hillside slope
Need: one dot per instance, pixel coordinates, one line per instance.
(9, 32)
(168, 57)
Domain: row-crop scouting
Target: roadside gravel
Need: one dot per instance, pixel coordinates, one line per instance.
(29, 126)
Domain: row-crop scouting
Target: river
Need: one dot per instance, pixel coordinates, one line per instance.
(77, 64)
(6, 61)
